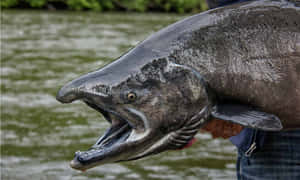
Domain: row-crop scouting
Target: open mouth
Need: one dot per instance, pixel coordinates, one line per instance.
(107, 144)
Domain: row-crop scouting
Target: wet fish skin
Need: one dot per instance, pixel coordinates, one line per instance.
(250, 54)
(240, 63)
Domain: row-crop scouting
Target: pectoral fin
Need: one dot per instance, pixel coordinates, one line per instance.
(247, 116)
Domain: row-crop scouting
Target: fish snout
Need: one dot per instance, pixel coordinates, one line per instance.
(88, 87)
(68, 93)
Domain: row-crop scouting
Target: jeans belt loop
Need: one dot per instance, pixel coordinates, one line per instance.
(253, 146)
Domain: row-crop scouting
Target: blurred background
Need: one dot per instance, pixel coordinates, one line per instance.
(178, 6)
(46, 43)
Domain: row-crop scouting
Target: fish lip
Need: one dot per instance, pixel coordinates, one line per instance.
(107, 144)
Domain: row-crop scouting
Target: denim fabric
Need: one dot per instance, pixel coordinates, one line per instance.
(246, 137)
(278, 158)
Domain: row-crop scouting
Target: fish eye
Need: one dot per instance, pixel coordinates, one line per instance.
(131, 96)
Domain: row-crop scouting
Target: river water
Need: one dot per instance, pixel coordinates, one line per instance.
(41, 51)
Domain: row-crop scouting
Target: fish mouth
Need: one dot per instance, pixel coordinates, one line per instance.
(109, 146)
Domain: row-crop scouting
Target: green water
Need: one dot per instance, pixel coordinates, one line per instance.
(40, 52)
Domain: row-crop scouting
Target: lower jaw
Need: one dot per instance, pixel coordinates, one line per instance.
(87, 159)
(75, 164)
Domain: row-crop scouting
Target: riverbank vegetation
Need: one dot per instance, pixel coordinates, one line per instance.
(178, 6)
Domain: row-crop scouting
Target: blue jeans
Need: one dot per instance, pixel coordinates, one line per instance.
(277, 159)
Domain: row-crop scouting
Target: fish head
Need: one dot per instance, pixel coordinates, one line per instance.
(153, 107)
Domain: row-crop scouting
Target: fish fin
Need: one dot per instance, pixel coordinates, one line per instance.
(247, 116)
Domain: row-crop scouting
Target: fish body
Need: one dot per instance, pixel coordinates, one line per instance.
(240, 63)
(251, 55)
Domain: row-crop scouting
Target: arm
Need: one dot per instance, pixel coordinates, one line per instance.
(219, 128)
